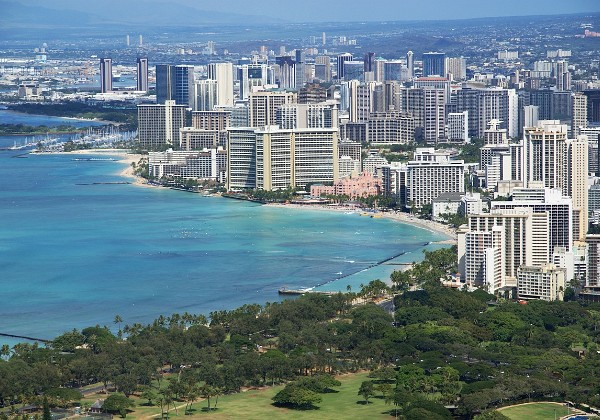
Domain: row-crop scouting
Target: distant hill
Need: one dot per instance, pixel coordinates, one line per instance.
(69, 13)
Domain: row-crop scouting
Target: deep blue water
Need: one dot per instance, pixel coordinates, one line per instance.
(74, 254)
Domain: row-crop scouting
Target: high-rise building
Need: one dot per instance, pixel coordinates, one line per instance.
(183, 85)
(285, 72)
(272, 158)
(361, 101)
(205, 95)
(521, 241)
(578, 113)
(323, 68)
(496, 161)
(164, 83)
(300, 66)
(391, 127)
(426, 104)
(430, 175)
(392, 70)
(485, 105)
(295, 116)
(577, 188)
(545, 200)
(457, 67)
(312, 94)
(434, 64)
(593, 101)
(592, 282)
(159, 125)
(295, 158)
(457, 127)
(106, 75)
(410, 64)
(264, 105)
(251, 76)
(222, 73)
(353, 70)
(241, 158)
(436, 82)
(341, 59)
(530, 116)
(142, 74)
(175, 83)
(545, 155)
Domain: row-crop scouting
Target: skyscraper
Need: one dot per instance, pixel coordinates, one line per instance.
(544, 155)
(578, 113)
(341, 59)
(142, 74)
(106, 75)
(223, 74)
(410, 63)
(251, 75)
(175, 83)
(183, 87)
(299, 68)
(159, 125)
(205, 95)
(164, 83)
(577, 188)
(369, 62)
(323, 68)
(457, 67)
(434, 64)
(264, 105)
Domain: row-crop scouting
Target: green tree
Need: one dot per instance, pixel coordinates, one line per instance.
(298, 397)
(366, 390)
(117, 403)
(148, 393)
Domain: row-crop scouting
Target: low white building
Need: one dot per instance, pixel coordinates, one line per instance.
(546, 282)
(204, 164)
(447, 203)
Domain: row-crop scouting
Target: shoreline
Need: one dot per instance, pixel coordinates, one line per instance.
(125, 157)
(405, 218)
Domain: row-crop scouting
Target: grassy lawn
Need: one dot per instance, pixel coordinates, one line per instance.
(535, 411)
(257, 405)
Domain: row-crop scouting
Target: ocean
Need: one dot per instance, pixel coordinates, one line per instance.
(76, 251)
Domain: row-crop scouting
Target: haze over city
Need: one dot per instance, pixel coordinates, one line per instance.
(184, 12)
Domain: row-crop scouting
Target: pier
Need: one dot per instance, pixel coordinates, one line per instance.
(24, 337)
(297, 292)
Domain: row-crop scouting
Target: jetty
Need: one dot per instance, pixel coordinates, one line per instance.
(24, 337)
(298, 292)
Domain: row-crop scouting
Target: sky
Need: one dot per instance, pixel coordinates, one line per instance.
(357, 10)
(347, 10)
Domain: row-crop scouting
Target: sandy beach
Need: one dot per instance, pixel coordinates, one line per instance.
(399, 217)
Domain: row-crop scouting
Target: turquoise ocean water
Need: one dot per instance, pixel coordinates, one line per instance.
(75, 254)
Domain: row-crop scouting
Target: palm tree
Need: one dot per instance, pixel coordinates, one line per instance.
(118, 320)
(5, 351)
